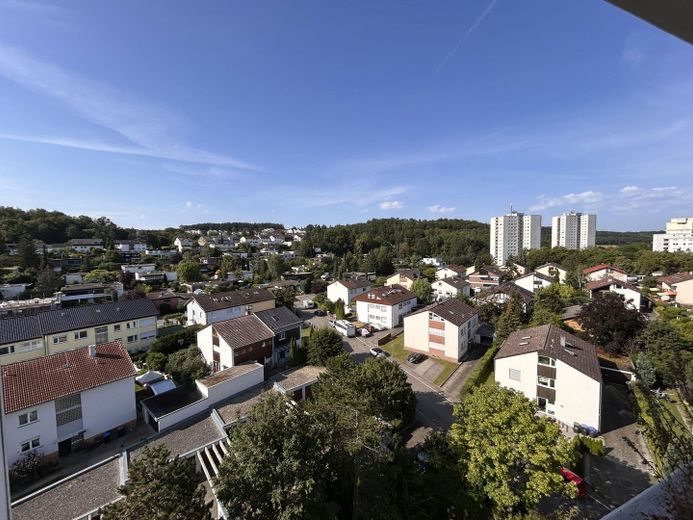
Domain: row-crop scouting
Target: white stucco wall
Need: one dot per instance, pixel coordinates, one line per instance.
(44, 428)
(527, 365)
(578, 397)
(109, 406)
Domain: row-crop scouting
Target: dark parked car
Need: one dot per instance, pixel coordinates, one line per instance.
(415, 357)
(320, 312)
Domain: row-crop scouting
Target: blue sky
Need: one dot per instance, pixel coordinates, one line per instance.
(161, 113)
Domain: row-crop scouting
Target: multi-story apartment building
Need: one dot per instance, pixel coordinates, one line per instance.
(445, 330)
(384, 307)
(678, 236)
(556, 369)
(58, 403)
(574, 230)
(512, 233)
(205, 309)
(27, 337)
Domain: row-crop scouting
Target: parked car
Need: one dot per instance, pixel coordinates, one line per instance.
(320, 312)
(377, 352)
(364, 332)
(416, 357)
(569, 476)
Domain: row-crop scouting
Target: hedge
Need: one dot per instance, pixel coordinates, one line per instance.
(481, 371)
(174, 342)
(587, 444)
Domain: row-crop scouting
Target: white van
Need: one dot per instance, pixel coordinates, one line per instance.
(345, 328)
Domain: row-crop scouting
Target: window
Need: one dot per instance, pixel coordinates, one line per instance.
(28, 346)
(543, 360)
(26, 418)
(436, 332)
(81, 334)
(116, 328)
(132, 339)
(101, 335)
(30, 445)
(514, 374)
(7, 350)
(60, 339)
(546, 381)
(434, 317)
(148, 322)
(68, 409)
(147, 335)
(131, 325)
(282, 336)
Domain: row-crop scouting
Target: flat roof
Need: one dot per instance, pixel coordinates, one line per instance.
(75, 496)
(240, 404)
(297, 377)
(189, 436)
(163, 404)
(230, 373)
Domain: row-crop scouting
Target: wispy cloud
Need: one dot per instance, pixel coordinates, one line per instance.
(436, 208)
(208, 172)
(343, 194)
(586, 198)
(391, 204)
(466, 35)
(145, 129)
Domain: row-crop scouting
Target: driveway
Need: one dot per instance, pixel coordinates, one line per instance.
(453, 386)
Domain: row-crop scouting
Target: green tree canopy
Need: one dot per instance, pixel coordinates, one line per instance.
(512, 317)
(187, 365)
(422, 289)
(188, 271)
(505, 452)
(277, 466)
(324, 344)
(160, 489)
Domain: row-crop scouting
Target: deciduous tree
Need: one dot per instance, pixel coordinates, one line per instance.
(324, 344)
(160, 489)
(422, 289)
(187, 365)
(188, 271)
(610, 324)
(505, 452)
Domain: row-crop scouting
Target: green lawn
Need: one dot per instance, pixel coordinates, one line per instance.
(396, 350)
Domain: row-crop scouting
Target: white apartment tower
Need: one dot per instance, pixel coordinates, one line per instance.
(677, 238)
(573, 230)
(512, 233)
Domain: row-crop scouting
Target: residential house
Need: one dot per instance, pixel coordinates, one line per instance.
(73, 278)
(633, 298)
(677, 288)
(161, 253)
(252, 240)
(205, 309)
(404, 278)
(27, 337)
(483, 278)
(138, 268)
(445, 330)
(130, 246)
(555, 369)
(601, 271)
(10, 291)
(232, 342)
(78, 294)
(451, 287)
(533, 281)
(156, 277)
(553, 270)
(11, 308)
(285, 326)
(183, 243)
(384, 307)
(86, 245)
(346, 290)
(433, 261)
(502, 293)
(450, 271)
(167, 298)
(60, 403)
(571, 317)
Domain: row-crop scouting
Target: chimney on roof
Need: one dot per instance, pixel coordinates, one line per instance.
(92, 351)
(563, 341)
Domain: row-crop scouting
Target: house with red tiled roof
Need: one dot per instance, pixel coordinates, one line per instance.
(597, 272)
(63, 402)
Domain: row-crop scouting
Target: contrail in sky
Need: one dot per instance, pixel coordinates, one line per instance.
(466, 35)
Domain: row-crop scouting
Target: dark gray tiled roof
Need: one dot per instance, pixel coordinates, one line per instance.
(457, 282)
(51, 322)
(243, 331)
(279, 319)
(552, 341)
(452, 310)
(224, 300)
(353, 284)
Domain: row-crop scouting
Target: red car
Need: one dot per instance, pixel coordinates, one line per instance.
(579, 482)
